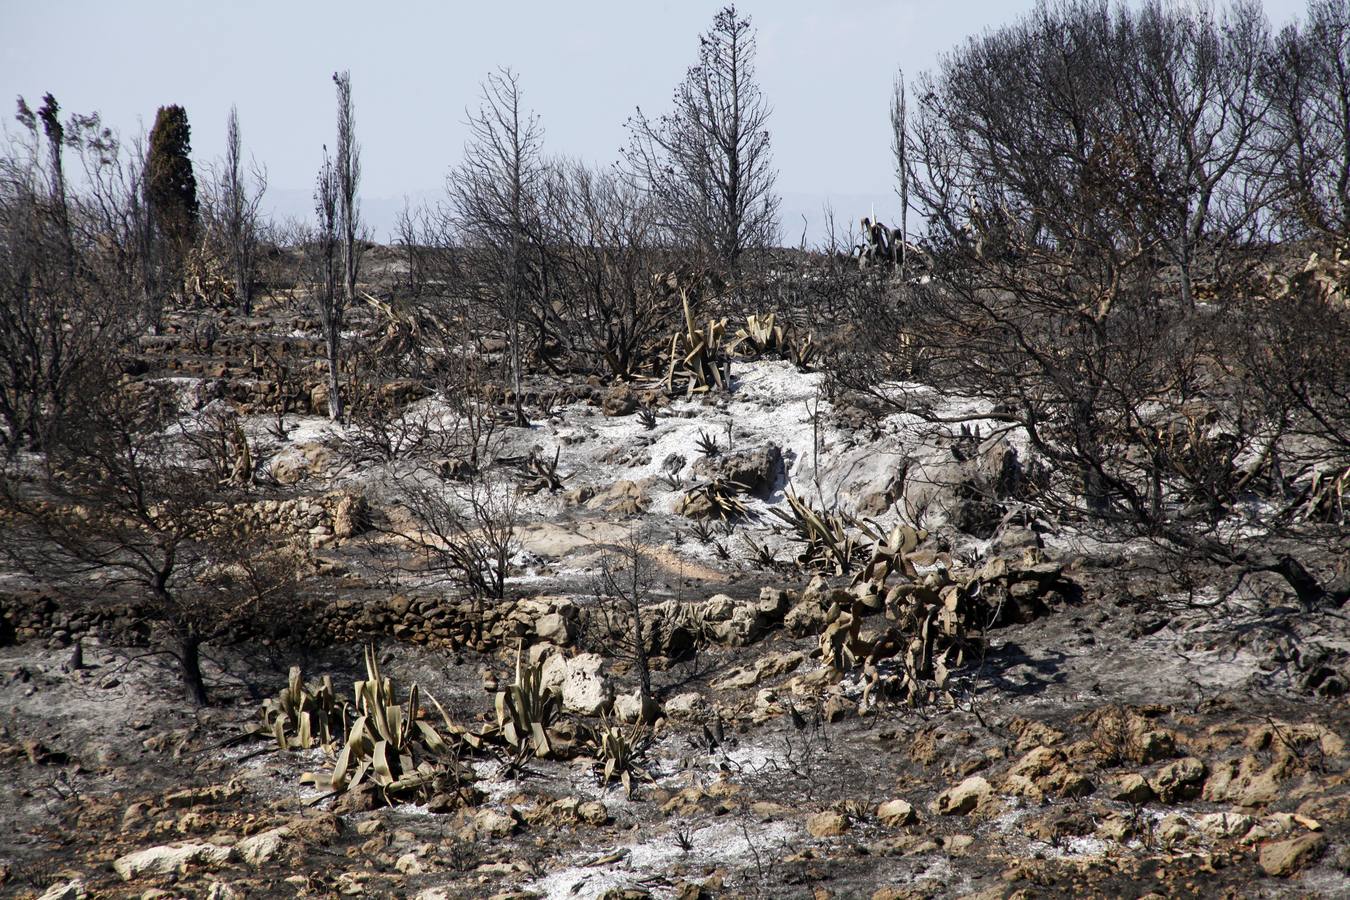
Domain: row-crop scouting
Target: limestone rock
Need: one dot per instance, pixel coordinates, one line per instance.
(351, 517)
(1223, 824)
(756, 471)
(586, 690)
(300, 462)
(622, 498)
(554, 674)
(262, 847)
(1180, 780)
(219, 890)
(166, 859)
(494, 823)
(807, 617)
(686, 705)
(592, 812)
(963, 798)
(826, 824)
(620, 401)
(554, 628)
(1246, 782)
(66, 890)
(896, 813)
(1130, 788)
(631, 708)
(1283, 858)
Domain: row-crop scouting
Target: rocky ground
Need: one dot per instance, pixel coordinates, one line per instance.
(1108, 738)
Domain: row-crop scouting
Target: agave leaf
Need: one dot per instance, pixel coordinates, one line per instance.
(304, 736)
(279, 732)
(542, 748)
(435, 743)
(339, 776)
(379, 759)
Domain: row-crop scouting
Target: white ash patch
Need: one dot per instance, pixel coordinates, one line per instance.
(723, 843)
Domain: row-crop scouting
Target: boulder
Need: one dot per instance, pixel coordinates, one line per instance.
(686, 705)
(318, 399)
(300, 462)
(554, 674)
(826, 824)
(620, 401)
(756, 470)
(623, 498)
(586, 690)
(1283, 858)
(592, 812)
(65, 890)
(262, 847)
(166, 859)
(631, 708)
(965, 491)
(896, 813)
(1246, 781)
(806, 618)
(1223, 824)
(554, 628)
(745, 625)
(351, 517)
(1181, 780)
(695, 505)
(963, 798)
(1130, 788)
(494, 823)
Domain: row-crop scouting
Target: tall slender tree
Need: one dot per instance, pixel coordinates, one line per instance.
(708, 163)
(900, 149)
(235, 199)
(496, 195)
(348, 173)
(329, 299)
(170, 186)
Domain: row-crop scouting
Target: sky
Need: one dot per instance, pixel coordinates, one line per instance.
(825, 66)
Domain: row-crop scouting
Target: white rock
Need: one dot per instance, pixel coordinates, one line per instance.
(629, 708)
(586, 690)
(554, 673)
(165, 859)
(70, 890)
(261, 847)
(690, 703)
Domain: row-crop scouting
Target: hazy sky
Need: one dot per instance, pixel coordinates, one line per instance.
(825, 66)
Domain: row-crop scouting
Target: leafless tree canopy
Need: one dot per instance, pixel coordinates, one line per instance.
(122, 500)
(707, 164)
(1308, 83)
(1091, 176)
(71, 267)
(495, 194)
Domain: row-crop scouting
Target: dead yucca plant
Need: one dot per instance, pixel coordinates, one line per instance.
(526, 709)
(718, 498)
(829, 544)
(541, 474)
(696, 355)
(619, 752)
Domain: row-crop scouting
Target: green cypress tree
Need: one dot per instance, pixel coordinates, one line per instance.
(170, 187)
